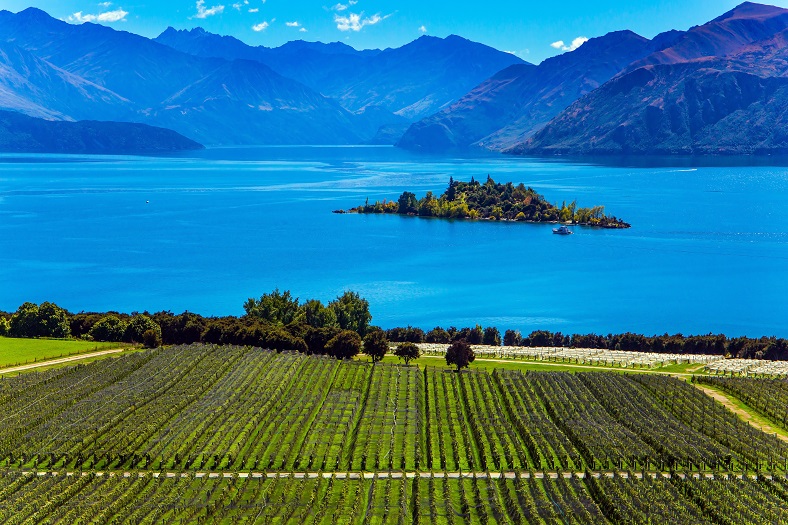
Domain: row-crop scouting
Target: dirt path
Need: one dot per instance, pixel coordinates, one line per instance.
(754, 420)
(51, 362)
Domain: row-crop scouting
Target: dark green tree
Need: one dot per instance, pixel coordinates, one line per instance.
(277, 307)
(151, 338)
(316, 314)
(512, 338)
(438, 335)
(376, 345)
(352, 312)
(491, 336)
(407, 203)
(109, 328)
(138, 325)
(460, 354)
(407, 352)
(47, 320)
(345, 345)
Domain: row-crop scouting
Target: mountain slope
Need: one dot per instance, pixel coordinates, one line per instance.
(412, 81)
(39, 89)
(211, 100)
(22, 134)
(731, 104)
(519, 100)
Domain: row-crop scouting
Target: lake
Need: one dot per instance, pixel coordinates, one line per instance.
(708, 250)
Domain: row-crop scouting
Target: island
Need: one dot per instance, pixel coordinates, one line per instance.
(494, 202)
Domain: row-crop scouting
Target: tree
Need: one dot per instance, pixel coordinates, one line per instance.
(438, 335)
(317, 315)
(5, 327)
(492, 336)
(138, 325)
(277, 307)
(109, 328)
(352, 312)
(407, 203)
(407, 352)
(47, 320)
(151, 338)
(460, 354)
(376, 345)
(345, 345)
(512, 338)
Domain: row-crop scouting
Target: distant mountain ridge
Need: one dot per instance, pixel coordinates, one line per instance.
(686, 100)
(22, 134)
(412, 81)
(715, 89)
(519, 100)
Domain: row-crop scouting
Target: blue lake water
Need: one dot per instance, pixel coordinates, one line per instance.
(708, 251)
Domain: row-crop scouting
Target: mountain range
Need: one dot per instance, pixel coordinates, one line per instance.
(718, 88)
(232, 96)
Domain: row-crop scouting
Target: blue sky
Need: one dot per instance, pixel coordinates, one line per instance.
(531, 29)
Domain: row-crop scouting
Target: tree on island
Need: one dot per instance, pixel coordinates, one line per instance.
(376, 345)
(346, 345)
(460, 354)
(407, 352)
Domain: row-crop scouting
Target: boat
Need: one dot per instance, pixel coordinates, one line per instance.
(562, 230)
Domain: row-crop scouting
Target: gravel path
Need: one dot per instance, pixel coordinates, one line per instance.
(50, 362)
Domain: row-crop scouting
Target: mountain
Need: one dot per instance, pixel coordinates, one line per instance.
(412, 81)
(685, 100)
(22, 134)
(522, 98)
(212, 100)
(39, 89)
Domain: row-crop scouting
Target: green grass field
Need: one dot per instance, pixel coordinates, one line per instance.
(23, 351)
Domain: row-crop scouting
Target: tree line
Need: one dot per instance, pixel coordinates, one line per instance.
(769, 348)
(342, 328)
(492, 201)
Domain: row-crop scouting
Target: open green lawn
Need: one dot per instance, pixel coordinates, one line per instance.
(22, 351)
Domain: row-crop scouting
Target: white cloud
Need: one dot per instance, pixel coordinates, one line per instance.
(260, 27)
(302, 30)
(577, 42)
(343, 7)
(356, 22)
(423, 29)
(254, 10)
(238, 5)
(105, 5)
(117, 15)
(293, 24)
(203, 12)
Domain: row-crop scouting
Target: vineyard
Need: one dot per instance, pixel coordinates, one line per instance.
(205, 433)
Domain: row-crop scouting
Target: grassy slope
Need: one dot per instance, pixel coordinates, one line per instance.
(23, 351)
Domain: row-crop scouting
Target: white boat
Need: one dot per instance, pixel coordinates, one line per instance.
(562, 230)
